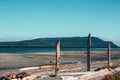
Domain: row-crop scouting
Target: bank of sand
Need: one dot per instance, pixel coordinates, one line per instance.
(16, 61)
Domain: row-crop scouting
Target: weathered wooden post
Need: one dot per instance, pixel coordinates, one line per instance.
(88, 53)
(57, 58)
(109, 55)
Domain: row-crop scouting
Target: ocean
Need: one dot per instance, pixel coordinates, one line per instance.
(37, 50)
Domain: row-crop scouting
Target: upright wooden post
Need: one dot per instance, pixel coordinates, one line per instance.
(109, 55)
(88, 53)
(57, 58)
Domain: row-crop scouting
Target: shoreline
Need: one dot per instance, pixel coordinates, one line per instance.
(16, 61)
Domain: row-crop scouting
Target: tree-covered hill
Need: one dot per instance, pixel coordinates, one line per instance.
(65, 42)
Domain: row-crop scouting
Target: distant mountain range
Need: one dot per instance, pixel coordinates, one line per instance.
(66, 42)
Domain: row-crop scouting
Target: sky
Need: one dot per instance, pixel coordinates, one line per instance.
(29, 19)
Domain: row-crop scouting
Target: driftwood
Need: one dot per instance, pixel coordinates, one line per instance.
(109, 55)
(8, 76)
(89, 53)
(57, 65)
(28, 68)
(95, 75)
(23, 74)
(11, 76)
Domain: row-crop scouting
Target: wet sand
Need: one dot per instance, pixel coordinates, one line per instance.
(16, 61)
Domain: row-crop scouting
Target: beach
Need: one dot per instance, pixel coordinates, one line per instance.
(16, 61)
(76, 63)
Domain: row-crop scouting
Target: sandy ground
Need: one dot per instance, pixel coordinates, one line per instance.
(16, 61)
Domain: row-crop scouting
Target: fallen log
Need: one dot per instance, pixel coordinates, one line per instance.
(28, 68)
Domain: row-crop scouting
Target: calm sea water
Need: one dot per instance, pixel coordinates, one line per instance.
(35, 50)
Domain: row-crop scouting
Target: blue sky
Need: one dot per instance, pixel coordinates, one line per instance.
(29, 19)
